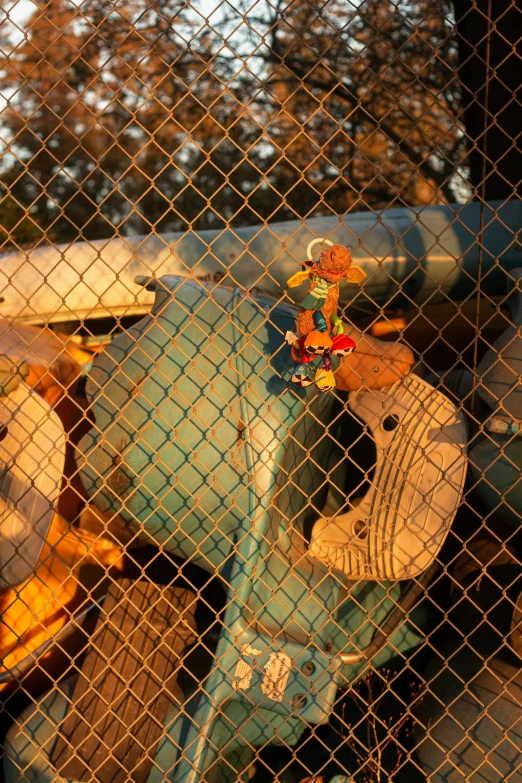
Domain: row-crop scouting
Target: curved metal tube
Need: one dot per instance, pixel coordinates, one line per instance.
(20, 669)
(265, 257)
(391, 624)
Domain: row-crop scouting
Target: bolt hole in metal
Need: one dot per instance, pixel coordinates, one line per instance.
(360, 528)
(308, 668)
(299, 701)
(390, 423)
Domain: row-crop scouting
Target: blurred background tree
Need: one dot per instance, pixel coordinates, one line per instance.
(371, 102)
(147, 116)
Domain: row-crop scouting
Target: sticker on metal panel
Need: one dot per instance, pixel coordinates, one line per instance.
(277, 671)
(244, 668)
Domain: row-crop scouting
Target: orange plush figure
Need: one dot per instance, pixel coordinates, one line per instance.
(319, 330)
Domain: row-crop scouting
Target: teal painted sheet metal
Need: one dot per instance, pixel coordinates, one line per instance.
(410, 255)
(201, 446)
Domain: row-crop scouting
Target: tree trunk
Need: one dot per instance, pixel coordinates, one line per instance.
(490, 50)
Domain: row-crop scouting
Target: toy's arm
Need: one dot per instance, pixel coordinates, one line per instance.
(298, 279)
(355, 275)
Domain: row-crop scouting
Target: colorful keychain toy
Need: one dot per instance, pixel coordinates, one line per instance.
(319, 330)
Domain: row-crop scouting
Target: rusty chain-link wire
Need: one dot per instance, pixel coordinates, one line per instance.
(208, 572)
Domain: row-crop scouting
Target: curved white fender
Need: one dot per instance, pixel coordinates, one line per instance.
(399, 526)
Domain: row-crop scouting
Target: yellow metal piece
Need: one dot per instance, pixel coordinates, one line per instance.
(68, 577)
(388, 326)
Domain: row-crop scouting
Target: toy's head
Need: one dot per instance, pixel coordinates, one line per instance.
(333, 264)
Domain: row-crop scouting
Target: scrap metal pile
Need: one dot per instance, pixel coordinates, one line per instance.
(208, 573)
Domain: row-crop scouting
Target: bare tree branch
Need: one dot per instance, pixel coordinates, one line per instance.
(439, 177)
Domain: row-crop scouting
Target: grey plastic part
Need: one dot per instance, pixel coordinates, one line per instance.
(468, 722)
(500, 370)
(127, 684)
(32, 452)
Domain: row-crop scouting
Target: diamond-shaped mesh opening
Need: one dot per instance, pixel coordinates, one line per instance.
(260, 497)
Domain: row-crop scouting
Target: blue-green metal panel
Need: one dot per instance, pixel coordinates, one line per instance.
(199, 443)
(186, 399)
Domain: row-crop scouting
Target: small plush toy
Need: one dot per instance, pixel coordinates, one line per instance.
(319, 330)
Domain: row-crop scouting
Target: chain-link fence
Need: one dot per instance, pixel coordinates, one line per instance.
(260, 363)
